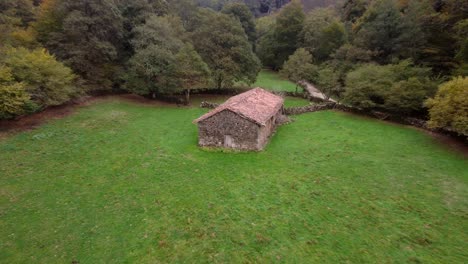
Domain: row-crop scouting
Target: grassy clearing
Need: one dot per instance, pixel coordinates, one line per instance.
(273, 81)
(120, 182)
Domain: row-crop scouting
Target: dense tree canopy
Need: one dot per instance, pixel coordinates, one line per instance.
(152, 68)
(289, 23)
(245, 16)
(323, 33)
(89, 40)
(400, 88)
(221, 42)
(191, 71)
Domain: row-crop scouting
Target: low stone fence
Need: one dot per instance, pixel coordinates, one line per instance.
(420, 123)
(308, 108)
(287, 93)
(208, 105)
(411, 121)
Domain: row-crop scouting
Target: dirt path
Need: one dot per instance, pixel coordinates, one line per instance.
(315, 93)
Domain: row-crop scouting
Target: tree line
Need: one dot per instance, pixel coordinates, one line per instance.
(389, 55)
(55, 50)
(382, 55)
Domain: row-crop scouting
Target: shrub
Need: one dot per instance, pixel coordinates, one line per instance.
(449, 108)
(400, 88)
(13, 96)
(48, 81)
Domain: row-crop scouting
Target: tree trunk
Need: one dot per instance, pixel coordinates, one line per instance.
(219, 83)
(187, 96)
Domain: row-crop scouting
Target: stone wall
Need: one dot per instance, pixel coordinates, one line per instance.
(208, 105)
(265, 132)
(308, 108)
(225, 126)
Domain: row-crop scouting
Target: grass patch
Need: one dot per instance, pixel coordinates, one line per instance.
(120, 182)
(290, 101)
(273, 81)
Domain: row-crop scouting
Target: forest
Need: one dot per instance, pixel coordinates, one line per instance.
(406, 57)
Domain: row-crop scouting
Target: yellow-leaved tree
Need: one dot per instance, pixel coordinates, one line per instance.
(449, 108)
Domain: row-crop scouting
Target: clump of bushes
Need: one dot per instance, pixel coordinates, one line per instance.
(449, 107)
(31, 81)
(398, 88)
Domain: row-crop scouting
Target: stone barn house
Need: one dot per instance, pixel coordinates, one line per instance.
(245, 121)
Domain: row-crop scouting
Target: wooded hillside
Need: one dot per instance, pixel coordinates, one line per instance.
(384, 55)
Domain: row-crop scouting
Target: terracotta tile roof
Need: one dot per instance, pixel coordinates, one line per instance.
(256, 105)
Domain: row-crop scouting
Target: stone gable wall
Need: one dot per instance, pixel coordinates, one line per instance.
(242, 132)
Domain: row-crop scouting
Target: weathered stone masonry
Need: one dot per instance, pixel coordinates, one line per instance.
(244, 122)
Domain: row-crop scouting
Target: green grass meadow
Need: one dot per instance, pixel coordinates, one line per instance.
(273, 81)
(121, 182)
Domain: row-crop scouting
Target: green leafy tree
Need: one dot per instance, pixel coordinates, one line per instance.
(15, 15)
(384, 30)
(323, 33)
(185, 9)
(328, 81)
(449, 108)
(89, 40)
(47, 81)
(245, 16)
(13, 95)
(352, 10)
(151, 71)
(134, 13)
(49, 20)
(400, 88)
(461, 36)
(166, 31)
(408, 96)
(289, 24)
(191, 71)
(221, 42)
(265, 46)
(299, 67)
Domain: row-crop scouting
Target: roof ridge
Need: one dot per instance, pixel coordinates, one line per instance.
(257, 105)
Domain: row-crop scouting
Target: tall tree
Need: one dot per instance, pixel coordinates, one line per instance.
(461, 36)
(351, 10)
(245, 16)
(49, 20)
(191, 71)
(265, 45)
(89, 40)
(289, 24)
(384, 30)
(152, 70)
(134, 14)
(221, 42)
(299, 67)
(323, 33)
(15, 15)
